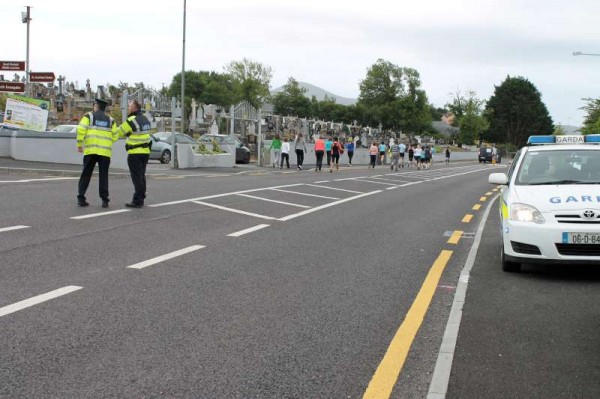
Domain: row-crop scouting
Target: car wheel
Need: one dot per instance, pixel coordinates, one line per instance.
(165, 157)
(511, 267)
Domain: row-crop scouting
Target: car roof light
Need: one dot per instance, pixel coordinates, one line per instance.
(592, 138)
(536, 140)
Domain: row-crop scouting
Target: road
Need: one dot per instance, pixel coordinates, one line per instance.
(271, 285)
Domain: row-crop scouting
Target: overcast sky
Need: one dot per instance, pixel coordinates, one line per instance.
(455, 45)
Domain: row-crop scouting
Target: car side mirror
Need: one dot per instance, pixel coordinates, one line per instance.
(498, 178)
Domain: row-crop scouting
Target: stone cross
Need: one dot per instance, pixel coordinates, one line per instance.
(60, 79)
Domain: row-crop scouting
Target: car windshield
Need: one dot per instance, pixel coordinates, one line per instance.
(560, 167)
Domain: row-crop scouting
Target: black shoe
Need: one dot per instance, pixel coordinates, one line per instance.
(104, 204)
(134, 205)
(83, 203)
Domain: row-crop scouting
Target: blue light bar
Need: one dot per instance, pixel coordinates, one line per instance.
(533, 140)
(592, 138)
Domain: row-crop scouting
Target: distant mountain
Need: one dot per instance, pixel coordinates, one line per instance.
(568, 129)
(320, 94)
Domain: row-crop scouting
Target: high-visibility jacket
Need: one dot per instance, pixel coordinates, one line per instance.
(137, 130)
(96, 133)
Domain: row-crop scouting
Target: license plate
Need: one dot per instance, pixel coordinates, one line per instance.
(581, 238)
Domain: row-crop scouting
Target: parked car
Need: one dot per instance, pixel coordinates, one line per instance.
(161, 145)
(64, 129)
(242, 153)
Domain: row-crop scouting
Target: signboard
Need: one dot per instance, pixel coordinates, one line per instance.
(12, 87)
(26, 113)
(41, 77)
(12, 65)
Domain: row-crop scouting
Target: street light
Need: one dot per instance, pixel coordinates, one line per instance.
(26, 19)
(580, 53)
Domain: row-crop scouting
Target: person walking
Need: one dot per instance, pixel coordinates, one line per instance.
(328, 145)
(402, 150)
(382, 149)
(137, 130)
(300, 147)
(336, 149)
(373, 151)
(350, 149)
(276, 147)
(96, 134)
(411, 155)
(285, 153)
(395, 151)
(319, 152)
(418, 154)
(447, 155)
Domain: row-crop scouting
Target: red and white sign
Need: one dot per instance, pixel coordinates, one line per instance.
(12, 65)
(41, 77)
(12, 87)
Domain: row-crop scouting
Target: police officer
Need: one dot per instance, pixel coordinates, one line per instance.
(137, 130)
(96, 134)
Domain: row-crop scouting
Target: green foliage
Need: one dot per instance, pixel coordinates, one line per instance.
(436, 112)
(216, 149)
(292, 100)
(206, 87)
(3, 97)
(591, 124)
(392, 96)
(558, 130)
(251, 81)
(516, 111)
(468, 116)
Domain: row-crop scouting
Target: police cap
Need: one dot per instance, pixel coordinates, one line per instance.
(101, 103)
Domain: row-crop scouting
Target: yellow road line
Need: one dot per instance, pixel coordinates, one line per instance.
(455, 237)
(387, 373)
(467, 218)
(476, 207)
(483, 199)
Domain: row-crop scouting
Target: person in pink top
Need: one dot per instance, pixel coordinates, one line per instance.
(319, 152)
(373, 151)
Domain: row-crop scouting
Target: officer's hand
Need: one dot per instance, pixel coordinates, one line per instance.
(79, 149)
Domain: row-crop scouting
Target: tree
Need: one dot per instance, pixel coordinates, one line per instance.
(436, 112)
(559, 130)
(458, 106)
(516, 111)
(468, 116)
(292, 100)
(251, 81)
(392, 95)
(591, 124)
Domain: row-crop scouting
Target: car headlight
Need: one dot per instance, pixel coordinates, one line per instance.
(525, 213)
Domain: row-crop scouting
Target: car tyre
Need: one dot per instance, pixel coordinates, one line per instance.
(507, 266)
(165, 157)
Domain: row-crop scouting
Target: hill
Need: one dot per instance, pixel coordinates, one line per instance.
(320, 94)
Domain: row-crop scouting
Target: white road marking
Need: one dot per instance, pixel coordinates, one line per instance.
(384, 179)
(165, 257)
(224, 208)
(308, 195)
(4, 229)
(95, 215)
(36, 180)
(250, 230)
(392, 188)
(322, 181)
(318, 208)
(272, 200)
(15, 307)
(364, 179)
(337, 189)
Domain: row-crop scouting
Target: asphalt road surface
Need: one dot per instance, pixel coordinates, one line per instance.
(271, 284)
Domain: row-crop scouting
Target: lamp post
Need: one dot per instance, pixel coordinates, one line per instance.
(173, 141)
(26, 19)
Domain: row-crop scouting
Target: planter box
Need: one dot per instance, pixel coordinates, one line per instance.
(189, 159)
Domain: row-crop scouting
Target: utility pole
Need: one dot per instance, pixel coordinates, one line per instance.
(26, 19)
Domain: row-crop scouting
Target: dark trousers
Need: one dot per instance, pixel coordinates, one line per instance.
(328, 158)
(300, 157)
(319, 155)
(89, 163)
(137, 168)
(286, 157)
(350, 155)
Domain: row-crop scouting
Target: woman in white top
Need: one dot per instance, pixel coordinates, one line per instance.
(418, 152)
(285, 153)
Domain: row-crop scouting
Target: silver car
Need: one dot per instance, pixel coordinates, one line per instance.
(161, 145)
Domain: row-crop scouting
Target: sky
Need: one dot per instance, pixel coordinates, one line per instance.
(456, 46)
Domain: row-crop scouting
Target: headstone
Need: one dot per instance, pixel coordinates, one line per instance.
(88, 91)
(193, 120)
(214, 128)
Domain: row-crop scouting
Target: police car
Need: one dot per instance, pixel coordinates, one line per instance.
(550, 202)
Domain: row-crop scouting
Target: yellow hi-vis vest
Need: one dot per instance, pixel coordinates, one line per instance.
(96, 133)
(137, 130)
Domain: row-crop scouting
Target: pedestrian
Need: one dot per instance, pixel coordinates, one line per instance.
(96, 134)
(447, 155)
(336, 150)
(276, 147)
(328, 145)
(411, 155)
(426, 155)
(319, 152)
(137, 130)
(285, 153)
(418, 154)
(402, 150)
(382, 149)
(395, 156)
(373, 151)
(300, 147)
(350, 149)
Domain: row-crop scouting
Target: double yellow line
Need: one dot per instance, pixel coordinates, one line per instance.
(388, 371)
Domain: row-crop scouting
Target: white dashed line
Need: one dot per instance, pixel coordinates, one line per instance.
(250, 230)
(5, 229)
(15, 307)
(95, 215)
(272, 200)
(165, 257)
(224, 208)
